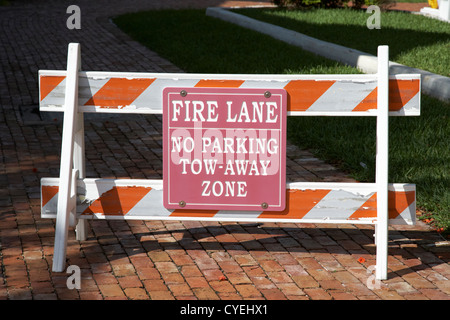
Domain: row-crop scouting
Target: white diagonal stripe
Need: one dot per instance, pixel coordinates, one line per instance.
(150, 204)
(264, 84)
(239, 214)
(411, 107)
(88, 87)
(337, 204)
(152, 97)
(57, 96)
(343, 96)
(51, 205)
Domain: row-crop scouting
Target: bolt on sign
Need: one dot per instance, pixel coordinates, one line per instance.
(224, 149)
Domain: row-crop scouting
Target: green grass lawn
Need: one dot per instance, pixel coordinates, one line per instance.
(419, 146)
(201, 44)
(413, 40)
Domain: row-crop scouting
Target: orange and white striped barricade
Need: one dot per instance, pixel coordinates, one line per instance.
(72, 198)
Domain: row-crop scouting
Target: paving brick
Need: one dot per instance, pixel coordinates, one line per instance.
(213, 274)
(105, 278)
(19, 294)
(245, 260)
(270, 266)
(229, 296)
(88, 284)
(263, 283)
(166, 267)
(123, 270)
(305, 281)
(345, 277)
(205, 294)
(111, 290)
(197, 282)
(317, 294)
(320, 274)
(337, 295)
(360, 290)
(238, 278)
(141, 261)
(388, 295)
(191, 271)
(158, 256)
(42, 287)
(295, 270)
(132, 281)
(45, 296)
(148, 273)
(279, 277)
(172, 277)
(310, 263)
(248, 291)
(434, 294)
(443, 285)
(415, 296)
(136, 293)
(331, 285)
(90, 296)
(273, 294)
(285, 259)
(222, 286)
(161, 295)
(183, 289)
(290, 290)
(230, 266)
(182, 259)
(418, 282)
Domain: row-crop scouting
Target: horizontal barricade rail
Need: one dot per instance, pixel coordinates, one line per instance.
(309, 95)
(312, 202)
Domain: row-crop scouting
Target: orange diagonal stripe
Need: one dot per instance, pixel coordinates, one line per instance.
(369, 102)
(117, 201)
(303, 93)
(193, 213)
(398, 201)
(48, 192)
(119, 92)
(298, 204)
(48, 83)
(401, 91)
(367, 210)
(219, 83)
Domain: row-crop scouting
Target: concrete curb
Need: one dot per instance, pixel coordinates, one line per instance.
(432, 84)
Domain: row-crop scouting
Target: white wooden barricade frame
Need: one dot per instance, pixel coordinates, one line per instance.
(72, 169)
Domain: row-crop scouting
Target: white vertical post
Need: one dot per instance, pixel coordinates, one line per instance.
(382, 163)
(79, 164)
(79, 167)
(65, 176)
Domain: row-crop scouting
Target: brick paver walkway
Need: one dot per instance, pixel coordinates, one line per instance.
(154, 259)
